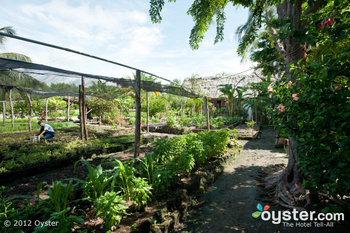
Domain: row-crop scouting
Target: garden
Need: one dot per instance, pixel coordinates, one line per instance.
(140, 153)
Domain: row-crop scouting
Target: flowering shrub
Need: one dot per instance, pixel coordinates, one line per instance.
(315, 110)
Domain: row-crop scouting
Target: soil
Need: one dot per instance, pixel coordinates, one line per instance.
(227, 206)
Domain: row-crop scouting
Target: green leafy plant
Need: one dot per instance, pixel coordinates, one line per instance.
(110, 207)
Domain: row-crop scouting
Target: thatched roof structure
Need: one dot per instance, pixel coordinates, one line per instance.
(209, 86)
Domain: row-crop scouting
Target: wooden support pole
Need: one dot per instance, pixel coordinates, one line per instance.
(138, 113)
(147, 97)
(68, 103)
(11, 107)
(4, 112)
(30, 113)
(84, 107)
(207, 112)
(46, 106)
(81, 114)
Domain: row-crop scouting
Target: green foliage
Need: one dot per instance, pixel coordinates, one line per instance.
(57, 208)
(214, 142)
(110, 207)
(314, 108)
(250, 124)
(97, 181)
(179, 155)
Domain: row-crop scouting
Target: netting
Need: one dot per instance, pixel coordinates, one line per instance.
(46, 81)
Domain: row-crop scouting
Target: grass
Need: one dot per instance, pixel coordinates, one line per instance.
(21, 125)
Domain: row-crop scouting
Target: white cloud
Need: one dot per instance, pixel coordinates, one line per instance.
(119, 30)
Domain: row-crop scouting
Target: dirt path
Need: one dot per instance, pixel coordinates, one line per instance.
(230, 202)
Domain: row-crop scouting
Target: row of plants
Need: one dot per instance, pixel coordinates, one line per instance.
(17, 156)
(114, 189)
(200, 121)
(21, 125)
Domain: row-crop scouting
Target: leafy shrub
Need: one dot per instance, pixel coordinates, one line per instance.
(97, 181)
(214, 142)
(171, 121)
(110, 207)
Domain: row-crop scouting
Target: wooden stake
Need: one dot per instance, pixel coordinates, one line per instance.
(46, 106)
(81, 114)
(138, 113)
(30, 113)
(11, 107)
(4, 112)
(68, 103)
(147, 97)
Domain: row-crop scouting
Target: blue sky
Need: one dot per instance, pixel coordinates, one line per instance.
(121, 30)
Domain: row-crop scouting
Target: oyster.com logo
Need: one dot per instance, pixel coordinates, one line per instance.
(257, 214)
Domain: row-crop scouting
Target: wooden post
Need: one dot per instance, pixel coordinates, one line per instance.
(147, 97)
(68, 103)
(46, 106)
(207, 112)
(4, 112)
(138, 113)
(30, 113)
(84, 107)
(81, 114)
(11, 107)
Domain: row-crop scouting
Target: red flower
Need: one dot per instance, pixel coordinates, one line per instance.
(326, 24)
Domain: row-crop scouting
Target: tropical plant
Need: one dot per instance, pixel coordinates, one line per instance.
(110, 207)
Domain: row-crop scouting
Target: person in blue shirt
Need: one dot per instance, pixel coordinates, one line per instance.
(46, 130)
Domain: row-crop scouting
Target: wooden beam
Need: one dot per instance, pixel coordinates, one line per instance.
(11, 107)
(4, 112)
(138, 113)
(30, 113)
(147, 97)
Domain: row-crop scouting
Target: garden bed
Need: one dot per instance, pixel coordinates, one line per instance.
(97, 199)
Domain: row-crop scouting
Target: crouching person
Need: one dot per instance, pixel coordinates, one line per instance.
(46, 130)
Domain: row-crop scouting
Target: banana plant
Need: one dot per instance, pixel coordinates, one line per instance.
(234, 94)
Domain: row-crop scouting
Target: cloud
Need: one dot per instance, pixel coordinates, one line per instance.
(118, 30)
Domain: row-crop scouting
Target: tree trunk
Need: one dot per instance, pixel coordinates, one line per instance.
(285, 185)
(12, 113)
(46, 106)
(30, 113)
(4, 112)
